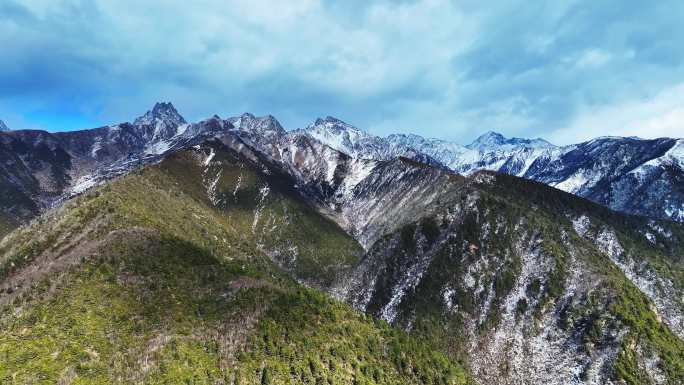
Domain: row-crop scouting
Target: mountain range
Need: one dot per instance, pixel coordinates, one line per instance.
(232, 251)
(630, 175)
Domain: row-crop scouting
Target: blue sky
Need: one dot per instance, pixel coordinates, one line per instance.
(563, 70)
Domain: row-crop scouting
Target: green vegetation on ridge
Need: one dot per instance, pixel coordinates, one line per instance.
(159, 310)
(146, 281)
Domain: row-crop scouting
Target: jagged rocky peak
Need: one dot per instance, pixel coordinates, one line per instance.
(492, 140)
(348, 139)
(161, 112)
(264, 125)
(327, 119)
(214, 119)
(488, 139)
(339, 134)
(335, 125)
(3, 126)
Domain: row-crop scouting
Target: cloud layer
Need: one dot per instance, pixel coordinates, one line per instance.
(564, 70)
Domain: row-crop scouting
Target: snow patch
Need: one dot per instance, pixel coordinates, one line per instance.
(210, 157)
(237, 185)
(581, 225)
(574, 183)
(411, 278)
(669, 303)
(263, 193)
(158, 148)
(97, 146)
(83, 183)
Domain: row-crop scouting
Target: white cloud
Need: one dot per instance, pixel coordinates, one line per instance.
(660, 115)
(592, 58)
(435, 67)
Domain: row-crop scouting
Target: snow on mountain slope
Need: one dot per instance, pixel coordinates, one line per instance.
(603, 170)
(3, 126)
(266, 126)
(346, 138)
(162, 113)
(64, 164)
(447, 153)
(504, 271)
(632, 175)
(358, 143)
(628, 174)
(673, 157)
(497, 270)
(493, 141)
(491, 151)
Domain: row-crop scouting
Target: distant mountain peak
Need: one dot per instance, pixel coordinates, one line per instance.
(328, 119)
(337, 126)
(161, 112)
(3, 126)
(492, 140)
(164, 108)
(258, 125)
(488, 139)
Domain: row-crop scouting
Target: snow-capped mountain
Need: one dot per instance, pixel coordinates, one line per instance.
(41, 169)
(488, 151)
(347, 138)
(627, 174)
(3, 126)
(358, 143)
(266, 127)
(162, 114)
(159, 125)
(493, 141)
(522, 282)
